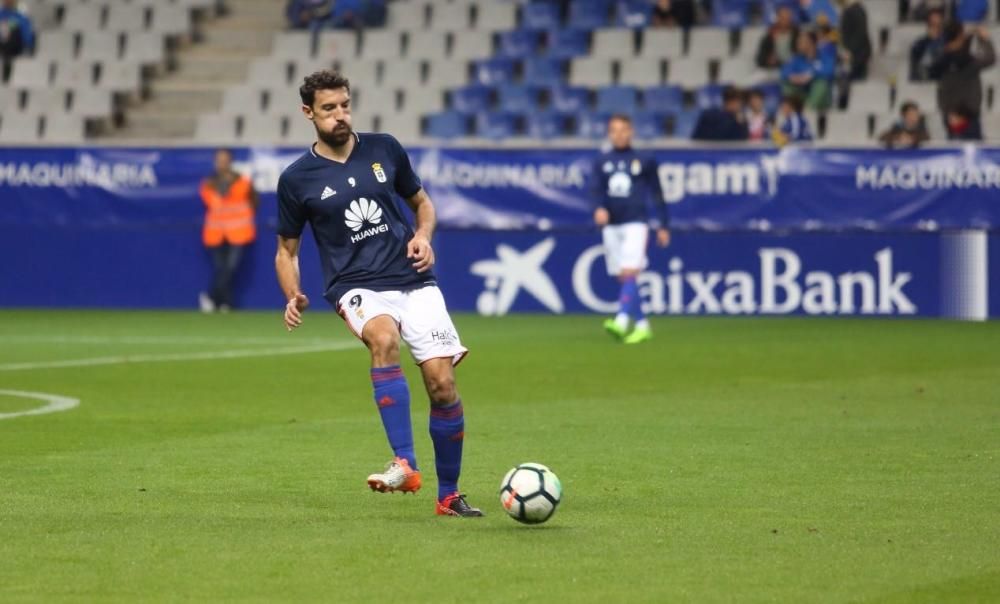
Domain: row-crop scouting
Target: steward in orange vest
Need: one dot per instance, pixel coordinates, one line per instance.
(230, 204)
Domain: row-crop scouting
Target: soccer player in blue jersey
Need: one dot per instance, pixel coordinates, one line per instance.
(629, 201)
(377, 274)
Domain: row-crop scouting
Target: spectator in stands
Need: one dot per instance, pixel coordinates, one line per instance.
(964, 56)
(809, 74)
(778, 44)
(817, 12)
(963, 124)
(791, 125)
(230, 204)
(927, 50)
(971, 11)
(724, 123)
(855, 39)
(17, 36)
(317, 14)
(673, 13)
(757, 120)
(909, 132)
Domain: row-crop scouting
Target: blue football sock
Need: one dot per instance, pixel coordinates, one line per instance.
(629, 301)
(392, 396)
(448, 434)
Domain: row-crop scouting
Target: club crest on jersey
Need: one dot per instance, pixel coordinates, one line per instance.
(379, 172)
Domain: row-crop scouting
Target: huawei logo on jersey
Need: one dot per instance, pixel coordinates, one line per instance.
(360, 212)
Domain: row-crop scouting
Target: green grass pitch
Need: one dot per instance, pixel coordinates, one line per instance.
(729, 460)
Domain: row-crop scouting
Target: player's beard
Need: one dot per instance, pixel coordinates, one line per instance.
(338, 137)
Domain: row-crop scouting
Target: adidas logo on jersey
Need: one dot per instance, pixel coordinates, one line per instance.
(327, 192)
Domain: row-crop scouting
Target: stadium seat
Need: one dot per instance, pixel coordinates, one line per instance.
(496, 125)
(453, 72)
(455, 17)
(848, 129)
(545, 125)
(261, 128)
(143, 47)
(19, 129)
(120, 77)
(422, 99)
(709, 96)
(471, 45)
(267, 70)
(404, 127)
(57, 44)
(615, 43)
(923, 94)
(292, 45)
(662, 43)
(426, 45)
(588, 14)
(171, 19)
(709, 42)
(517, 98)
(543, 71)
(663, 98)
(361, 72)
(377, 101)
(126, 17)
(617, 99)
(540, 14)
(9, 100)
(447, 124)
(247, 98)
(688, 72)
(215, 128)
(83, 16)
(404, 72)
(30, 73)
(302, 132)
(63, 128)
(74, 73)
(568, 43)
(473, 98)
(634, 14)
(741, 70)
(590, 71)
(683, 123)
(46, 100)
(408, 16)
(641, 72)
(902, 37)
(100, 46)
(337, 44)
(731, 14)
(881, 13)
(569, 99)
(494, 71)
(381, 44)
(519, 43)
(649, 124)
(871, 96)
(592, 125)
(495, 16)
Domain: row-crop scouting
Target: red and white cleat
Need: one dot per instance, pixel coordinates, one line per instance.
(398, 476)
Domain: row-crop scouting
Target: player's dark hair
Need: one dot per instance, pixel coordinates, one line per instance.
(326, 79)
(621, 117)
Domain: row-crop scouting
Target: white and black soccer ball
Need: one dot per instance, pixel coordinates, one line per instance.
(530, 493)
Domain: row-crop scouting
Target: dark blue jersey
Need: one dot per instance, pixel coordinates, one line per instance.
(360, 229)
(626, 184)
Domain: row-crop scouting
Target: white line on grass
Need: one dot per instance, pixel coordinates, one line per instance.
(54, 403)
(96, 339)
(181, 356)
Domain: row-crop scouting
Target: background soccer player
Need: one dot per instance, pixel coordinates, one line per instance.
(629, 202)
(377, 272)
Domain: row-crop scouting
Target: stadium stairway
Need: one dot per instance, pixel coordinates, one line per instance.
(219, 58)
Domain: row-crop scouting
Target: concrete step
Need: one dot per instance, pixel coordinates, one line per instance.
(255, 41)
(230, 71)
(251, 21)
(184, 94)
(149, 125)
(267, 8)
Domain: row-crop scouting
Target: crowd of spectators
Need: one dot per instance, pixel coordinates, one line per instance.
(17, 36)
(322, 14)
(743, 116)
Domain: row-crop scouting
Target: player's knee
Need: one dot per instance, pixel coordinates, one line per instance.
(384, 347)
(441, 389)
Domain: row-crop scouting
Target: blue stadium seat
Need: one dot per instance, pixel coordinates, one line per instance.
(569, 99)
(472, 98)
(592, 125)
(617, 99)
(447, 124)
(650, 124)
(636, 14)
(543, 71)
(772, 95)
(519, 43)
(684, 123)
(540, 15)
(568, 43)
(663, 98)
(546, 124)
(734, 14)
(493, 72)
(588, 14)
(515, 97)
(709, 96)
(496, 125)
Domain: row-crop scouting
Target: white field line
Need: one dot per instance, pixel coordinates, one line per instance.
(54, 403)
(180, 356)
(95, 339)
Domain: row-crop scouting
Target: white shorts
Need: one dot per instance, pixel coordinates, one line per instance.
(625, 246)
(421, 315)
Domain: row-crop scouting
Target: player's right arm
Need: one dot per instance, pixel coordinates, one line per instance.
(286, 263)
(291, 221)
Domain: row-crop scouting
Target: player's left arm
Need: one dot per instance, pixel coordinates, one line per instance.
(661, 221)
(419, 248)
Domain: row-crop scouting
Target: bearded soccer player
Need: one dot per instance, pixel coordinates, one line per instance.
(629, 201)
(377, 273)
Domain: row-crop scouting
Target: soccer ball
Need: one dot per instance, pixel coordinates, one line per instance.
(530, 493)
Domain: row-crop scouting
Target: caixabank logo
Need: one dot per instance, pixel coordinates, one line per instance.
(746, 274)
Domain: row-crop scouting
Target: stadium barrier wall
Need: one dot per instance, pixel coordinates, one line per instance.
(796, 231)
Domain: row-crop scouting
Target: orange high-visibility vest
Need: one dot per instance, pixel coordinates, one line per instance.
(230, 216)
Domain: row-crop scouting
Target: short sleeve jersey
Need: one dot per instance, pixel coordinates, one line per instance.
(359, 228)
